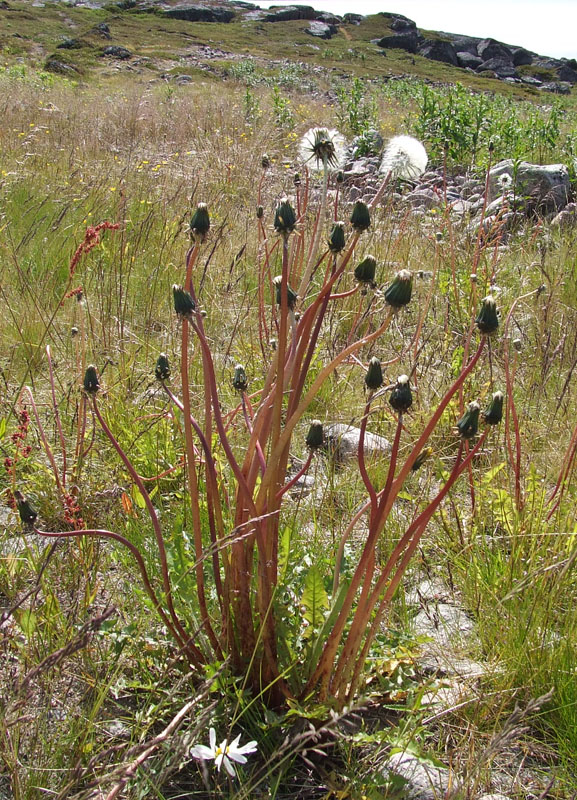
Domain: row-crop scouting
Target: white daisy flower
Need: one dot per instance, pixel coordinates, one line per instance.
(320, 145)
(404, 157)
(225, 753)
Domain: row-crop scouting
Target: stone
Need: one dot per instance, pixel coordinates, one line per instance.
(446, 624)
(321, 30)
(342, 442)
(115, 51)
(556, 88)
(439, 50)
(424, 198)
(353, 19)
(401, 41)
(567, 74)
(289, 13)
(424, 781)
(466, 59)
(402, 24)
(199, 13)
(70, 44)
(567, 218)
(102, 30)
(502, 68)
(521, 57)
(465, 44)
(547, 185)
(491, 48)
(531, 81)
(59, 67)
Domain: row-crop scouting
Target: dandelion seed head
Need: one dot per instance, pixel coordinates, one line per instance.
(404, 157)
(320, 145)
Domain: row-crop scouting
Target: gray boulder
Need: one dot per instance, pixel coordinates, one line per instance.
(466, 59)
(439, 50)
(491, 48)
(567, 74)
(342, 442)
(465, 44)
(353, 19)
(321, 30)
(566, 219)
(199, 13)
(402, 24)
(401, 41)
(562, 87)
(531, 81)
(289, 13)
(521, 57)
(424, 781)
(548, 187)
(115, 51)
(504, 69)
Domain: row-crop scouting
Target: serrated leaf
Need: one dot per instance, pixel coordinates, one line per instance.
(315, 599)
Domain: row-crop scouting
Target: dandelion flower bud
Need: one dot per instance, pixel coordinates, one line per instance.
(315, 436)
(285, 219)
(162, 369)
(340, 176)
(265, 161)
(360, 216)
(26, 511)
(401, 398)
(365, 271)
(518, 345)
(292, 296)
(200, 222)
(297, 179)
(374, 375)
(399, 291)
(91, 382)
(74, 331)
(421, 458)
(487, 319)
(183, 302)
(494, 413)
(337, 238)
(259, 212)
(239, 380)
(468, 425)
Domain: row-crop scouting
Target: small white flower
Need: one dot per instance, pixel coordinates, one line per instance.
(225, 753)
(404, 157)
(320, 144)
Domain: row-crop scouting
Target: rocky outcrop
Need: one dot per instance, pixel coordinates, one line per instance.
(321, 30)
(289, 13)
(200, 13)
(439, 50)
(409, 41)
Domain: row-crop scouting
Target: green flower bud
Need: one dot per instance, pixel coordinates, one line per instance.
(26, 511)
(239, 381)
(360, 217)
(297, 179)
(399, 292)
(340, 176)
(292, 296)
(468, 425)
(200, 222)
(487, 318)
(337, 238)
(494, 413)
(183, 302)
(259, 212)
(91, 382)
(285, 219)
(365, 271)
(421, 458)
(374, 375)
(315, 436)
(401, 398)
(162, 369)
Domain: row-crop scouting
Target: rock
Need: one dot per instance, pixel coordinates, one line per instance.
(289, 13)
(548, 186)
(495, 796)
(355, 193)
(353, 19)
(556, 88)
(358, 168)
(401, 41)
(101, 30)
(521, 57)
(115, 51)
(424, 198)
(446, 624)
(200, 13)
(439, 50)
(321, 30)
(502, 68)
(466, 59)
(567, 74)
(70, 44)
(491, 48)
(567, 218)
(342, 442)
(59, 67)
(427, 591)
(465, 44)
(531, 81)
(424, 781)
(401, 24)
(330, 19)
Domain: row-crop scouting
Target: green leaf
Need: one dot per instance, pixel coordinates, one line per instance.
(315, 600)
(2, 427)
(137, 497)
(324, 632)
(284, 553)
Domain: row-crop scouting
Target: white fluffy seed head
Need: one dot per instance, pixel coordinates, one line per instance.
(404, 157)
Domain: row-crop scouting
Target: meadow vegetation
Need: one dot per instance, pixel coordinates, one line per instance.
(105, 685)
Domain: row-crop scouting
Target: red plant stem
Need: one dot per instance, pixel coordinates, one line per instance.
(344, 294)
(302, 471)
(183, 642)
(325, 664)
(163, 474)
(361, 458)
(410, 540)
(153, 517)
(57, 416)
(248, 422)
(45, 443)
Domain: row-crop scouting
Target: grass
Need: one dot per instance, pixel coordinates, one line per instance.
(143, 154)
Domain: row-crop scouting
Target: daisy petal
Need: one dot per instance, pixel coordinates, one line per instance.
(200, 751)
(212, 739)
(228, 767)
(238, 757)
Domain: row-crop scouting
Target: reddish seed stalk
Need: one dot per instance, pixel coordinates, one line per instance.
(57, 416)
